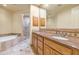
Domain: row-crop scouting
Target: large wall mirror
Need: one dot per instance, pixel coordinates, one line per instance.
(63, 16)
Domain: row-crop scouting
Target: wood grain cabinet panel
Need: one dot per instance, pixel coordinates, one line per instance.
(40, 44)
(62, 49)
(47, 50)
(50, 51)
(32, 40)
(75, 51)
(46, 46)
(40, 51)
(34, 43)
(55, 53)
(40, 38)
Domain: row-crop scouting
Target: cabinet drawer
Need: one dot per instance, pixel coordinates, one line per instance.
(40, 51)
(59, 48)
(40, 38)
(47, 50)
(40, 44)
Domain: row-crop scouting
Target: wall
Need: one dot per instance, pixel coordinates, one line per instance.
(66, 19)
(5, 21)
(34, 11)
(42, 14)
(51, 23)
(39, 13)
(75, 16)
(17, 23)
(10, 22)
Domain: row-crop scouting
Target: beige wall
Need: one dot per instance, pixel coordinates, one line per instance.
(5, 21)
(66, 19)
(10, 22)
(51, 23)
(75, 16)
(17, 23)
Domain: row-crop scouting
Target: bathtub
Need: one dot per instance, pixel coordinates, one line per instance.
(6, 38)
(8, 41)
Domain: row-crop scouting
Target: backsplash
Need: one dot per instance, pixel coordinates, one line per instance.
(63, 32)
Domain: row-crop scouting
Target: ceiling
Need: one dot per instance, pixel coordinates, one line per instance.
(17, 7)
(52, 9)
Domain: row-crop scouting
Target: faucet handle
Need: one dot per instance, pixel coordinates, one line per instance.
(64, 34)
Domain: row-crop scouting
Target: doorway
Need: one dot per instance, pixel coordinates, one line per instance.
(26, 27)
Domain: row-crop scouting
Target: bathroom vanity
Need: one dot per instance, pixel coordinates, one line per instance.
(44, 43)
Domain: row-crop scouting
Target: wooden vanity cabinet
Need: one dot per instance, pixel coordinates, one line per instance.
(75, 51)
(40, 45)
(45, 46)
(58, 48)
(55, 53)
(48, 50)
(34, 43)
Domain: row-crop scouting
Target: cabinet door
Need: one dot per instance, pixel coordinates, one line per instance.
(40, 38)
(34, 43)
(47, 50)
(58, 47)
(40, 44)
(55, 52)
(40, 51)
(75, 51)
(33, 40)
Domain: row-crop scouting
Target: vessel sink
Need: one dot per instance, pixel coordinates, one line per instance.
(59, 38)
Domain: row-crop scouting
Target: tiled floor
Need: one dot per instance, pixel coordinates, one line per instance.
(20, 49)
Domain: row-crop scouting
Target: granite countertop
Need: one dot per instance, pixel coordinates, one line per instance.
(72, 42)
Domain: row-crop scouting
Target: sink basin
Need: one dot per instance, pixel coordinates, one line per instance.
(59, 38)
